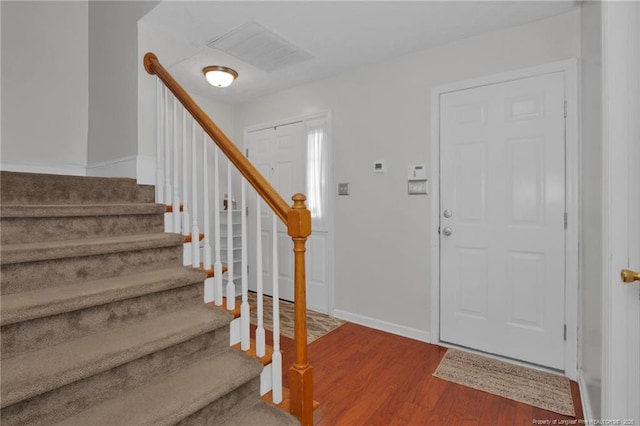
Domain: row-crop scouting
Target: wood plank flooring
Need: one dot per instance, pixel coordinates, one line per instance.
(368, 377)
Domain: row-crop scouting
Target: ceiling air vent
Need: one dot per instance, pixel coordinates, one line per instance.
(254, 44)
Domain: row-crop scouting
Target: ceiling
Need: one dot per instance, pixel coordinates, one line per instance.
(335, 36)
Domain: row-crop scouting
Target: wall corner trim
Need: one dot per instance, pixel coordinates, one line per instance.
(146, 169)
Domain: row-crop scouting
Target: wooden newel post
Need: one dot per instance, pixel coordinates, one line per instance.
(300, 373)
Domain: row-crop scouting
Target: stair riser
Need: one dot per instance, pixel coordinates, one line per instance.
(43, 332)
(26, 188)
(60, 403)
(69, 228)
(225, 407)
(52, 273)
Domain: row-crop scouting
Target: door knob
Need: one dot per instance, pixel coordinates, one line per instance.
(447, 231)
(447, 213)
(629, 276)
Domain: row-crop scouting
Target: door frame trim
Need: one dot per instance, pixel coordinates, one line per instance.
(572, 187)
(328, 116)
(619, 58)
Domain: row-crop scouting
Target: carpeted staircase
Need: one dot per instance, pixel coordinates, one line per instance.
(101, 323)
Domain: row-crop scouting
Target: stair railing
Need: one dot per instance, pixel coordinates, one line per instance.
(297, 219)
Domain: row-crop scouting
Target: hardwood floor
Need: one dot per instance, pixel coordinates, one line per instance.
(368, 377)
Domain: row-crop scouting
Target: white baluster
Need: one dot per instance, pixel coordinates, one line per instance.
(168, 192)
(186, 252)
(276, 358)
(231, 288)
(185, 180)
(245, 320)
(176, 172)
(195, 231)
(260, 337)
(160, 126)
(209, 294)
(217, 266)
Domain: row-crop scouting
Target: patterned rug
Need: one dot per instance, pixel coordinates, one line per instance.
(544, 390)
(317, 324)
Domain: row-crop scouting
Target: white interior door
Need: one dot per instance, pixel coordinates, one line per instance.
(502, 199)
(278, 153)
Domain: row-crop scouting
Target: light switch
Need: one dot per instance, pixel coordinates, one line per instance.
(418, 187)
(343, 189)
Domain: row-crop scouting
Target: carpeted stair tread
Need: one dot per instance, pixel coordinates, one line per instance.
(34, 188)
(101, 323)
(33, 373)
(51, 301)
(175, 395)
(78, 210)
(48, 250)
(262, 414)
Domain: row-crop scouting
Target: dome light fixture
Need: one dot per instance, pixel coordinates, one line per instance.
(219, 76)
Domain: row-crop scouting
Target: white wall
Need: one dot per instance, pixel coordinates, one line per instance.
(0, 83)
(169, 51)
(113, 86)
(382, 112)
(223, 115)
(44, 86)
(86, 102)
(591, 211)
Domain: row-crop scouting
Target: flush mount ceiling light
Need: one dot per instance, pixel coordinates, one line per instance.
(219, 76)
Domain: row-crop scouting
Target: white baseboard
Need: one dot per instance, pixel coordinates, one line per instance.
(140, 167)
(400, 330)
(208, 290)
(587, 411)
(47, 168)
(234, 332)
(119, 167)
(266, 379)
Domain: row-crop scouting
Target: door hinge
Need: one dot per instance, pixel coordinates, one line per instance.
(565, 332)
(247, 150)
(565, 109)
(566, 219)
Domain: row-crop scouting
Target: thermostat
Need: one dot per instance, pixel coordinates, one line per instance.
(418, 172)
(380, 166)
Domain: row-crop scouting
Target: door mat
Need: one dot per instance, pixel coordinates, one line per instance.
(317, 324)
(543, 390)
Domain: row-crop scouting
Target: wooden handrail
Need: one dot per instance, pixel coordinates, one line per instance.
(298, 221)
(259, 183)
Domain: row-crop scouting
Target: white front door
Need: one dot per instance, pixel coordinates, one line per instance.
(278, 153)
(502, 219)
